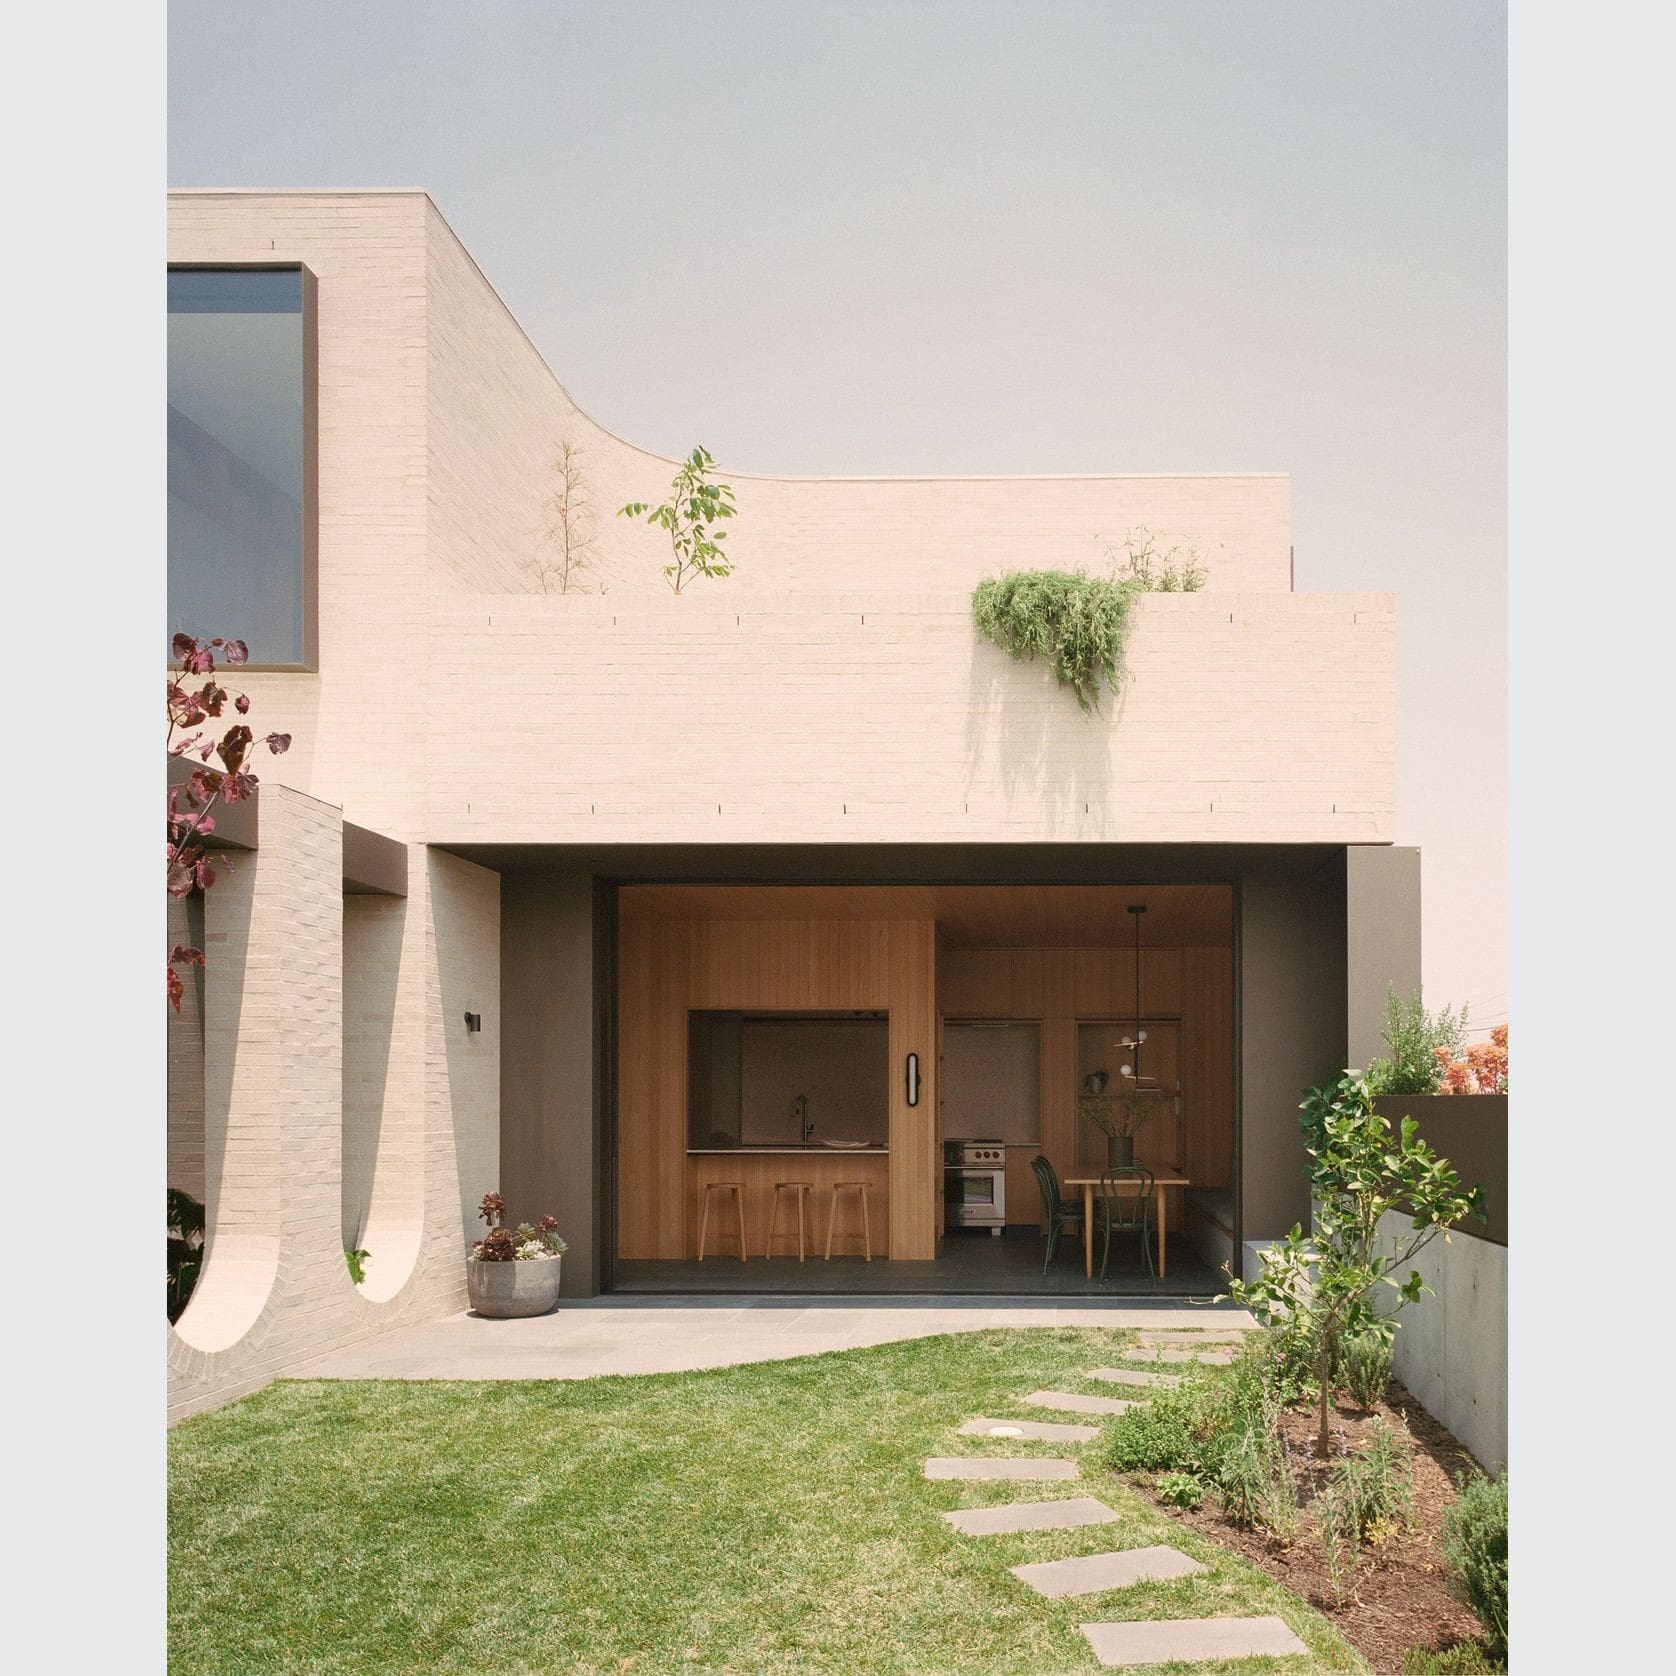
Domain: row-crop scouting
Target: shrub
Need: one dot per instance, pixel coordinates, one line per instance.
(186, 1249)
(1255, 1480)
(1181, 1489)
(1175, 1432)
(357, 1261)
(1420, 1047)
(1362, 1364)
(1379, 1483)
(1465, 1658)
(1368, 1497)
(1475, 1545)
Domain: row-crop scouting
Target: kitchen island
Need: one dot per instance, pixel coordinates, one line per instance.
(757, 1169)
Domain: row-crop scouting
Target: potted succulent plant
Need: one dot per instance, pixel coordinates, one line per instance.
(513, 1271)
(1118, 1117)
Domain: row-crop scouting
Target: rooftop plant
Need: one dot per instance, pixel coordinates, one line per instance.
(694, 505)
(1079, 624)
(569, 529)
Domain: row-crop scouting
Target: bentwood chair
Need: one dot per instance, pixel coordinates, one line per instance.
(1126, 1208)
(1057, 1216)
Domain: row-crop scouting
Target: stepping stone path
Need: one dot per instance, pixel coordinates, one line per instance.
(1215, 1335)
(1150, 1641)
(1177, 1353)
(986, 1467)
(1043, 1431)
(1091, 1574)
(1031, 1516)
(1074, 1403)
(1159, 1640)
(1134, 1376)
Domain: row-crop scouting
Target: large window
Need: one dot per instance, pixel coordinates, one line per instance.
(241, 490)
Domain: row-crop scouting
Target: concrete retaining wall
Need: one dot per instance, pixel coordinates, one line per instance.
(1451, 1349)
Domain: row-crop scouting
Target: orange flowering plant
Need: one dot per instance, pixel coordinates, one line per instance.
(1483, 1070)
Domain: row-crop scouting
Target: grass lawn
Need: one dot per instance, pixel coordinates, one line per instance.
(762, 1518)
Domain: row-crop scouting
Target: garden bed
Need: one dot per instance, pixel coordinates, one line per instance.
(1398, 1596)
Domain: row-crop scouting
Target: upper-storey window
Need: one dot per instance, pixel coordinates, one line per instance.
(241, 459)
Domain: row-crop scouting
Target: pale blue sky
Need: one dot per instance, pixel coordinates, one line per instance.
(1046, 237)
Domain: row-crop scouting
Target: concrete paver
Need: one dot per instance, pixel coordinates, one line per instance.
(1073, 1402)
(1174, 1353)
(1135, 1376)
(989, 1468)
(1031, 1516)
(1089, 1574)
(1159, 1640)
(1043, 1431)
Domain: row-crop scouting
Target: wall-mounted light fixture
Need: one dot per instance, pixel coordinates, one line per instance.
(474, 1023)
(913, 1079)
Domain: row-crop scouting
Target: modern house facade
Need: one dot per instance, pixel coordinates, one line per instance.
(543, 871)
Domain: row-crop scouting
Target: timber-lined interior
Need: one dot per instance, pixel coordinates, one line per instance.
(827, 989)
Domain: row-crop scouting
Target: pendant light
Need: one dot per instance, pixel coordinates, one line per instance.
(1132, 1044)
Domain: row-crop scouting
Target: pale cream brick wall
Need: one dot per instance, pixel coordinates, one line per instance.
(497, 416)
(275, 1292)
(367, 251)
(1260, 718)
(438, 419)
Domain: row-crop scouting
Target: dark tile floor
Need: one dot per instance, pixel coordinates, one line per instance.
(978, 1264)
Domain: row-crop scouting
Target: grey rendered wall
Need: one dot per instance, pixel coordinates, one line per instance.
(1382, 939)
(549, 1114)
(1292, 1029)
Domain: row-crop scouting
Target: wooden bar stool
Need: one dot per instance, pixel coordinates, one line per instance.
(800, 1191)
(866, 1235)
(737, 1189)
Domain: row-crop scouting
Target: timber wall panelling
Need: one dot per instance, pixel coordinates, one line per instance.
(668, 966)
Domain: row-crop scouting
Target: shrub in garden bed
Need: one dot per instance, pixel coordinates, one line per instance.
(1475, 1544)
(1465, 1658)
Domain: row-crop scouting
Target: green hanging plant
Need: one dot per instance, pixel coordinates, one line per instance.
(1076, 622)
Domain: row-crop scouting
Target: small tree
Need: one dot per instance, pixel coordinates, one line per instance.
(568, 528)
(1420, 1046)
(694, 504)
(1327, 1284)
(191, 870)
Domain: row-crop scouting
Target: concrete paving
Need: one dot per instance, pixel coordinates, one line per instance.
(1042, 1431)
(1211, 1335)
(1073, 1402)
(1031, 1516)
(1175, 1353)
(983, 1469)
(1135, 1376)
(1158, 1641)
(1092, 1574)
(615, 1335)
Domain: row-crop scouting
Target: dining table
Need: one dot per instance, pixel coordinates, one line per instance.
(1163, 1175)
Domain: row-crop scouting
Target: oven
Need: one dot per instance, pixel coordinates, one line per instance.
(975, 1185)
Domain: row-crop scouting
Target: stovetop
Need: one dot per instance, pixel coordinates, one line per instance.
(974, 1153)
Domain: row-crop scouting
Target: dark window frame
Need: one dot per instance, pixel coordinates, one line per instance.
(309, 663)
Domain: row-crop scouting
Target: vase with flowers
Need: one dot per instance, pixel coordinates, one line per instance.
(1120, 1117)
(513, 1271)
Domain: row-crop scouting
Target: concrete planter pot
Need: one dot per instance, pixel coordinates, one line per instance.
(504, 1290)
